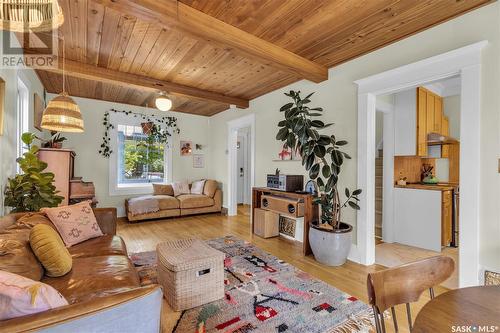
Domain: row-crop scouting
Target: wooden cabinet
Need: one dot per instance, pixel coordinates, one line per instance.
(266, 223)
(60, 162)
(446, 217)
(430, 118)
(445, 130)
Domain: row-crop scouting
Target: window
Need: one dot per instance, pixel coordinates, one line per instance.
(136, 160)
(140, 160)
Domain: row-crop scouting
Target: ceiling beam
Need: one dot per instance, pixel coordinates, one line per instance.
(91, 72)
(177, 15)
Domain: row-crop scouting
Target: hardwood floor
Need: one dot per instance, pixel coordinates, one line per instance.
(394, 254)
(350, 277)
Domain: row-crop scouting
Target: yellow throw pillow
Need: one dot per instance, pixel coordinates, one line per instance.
(50, 250)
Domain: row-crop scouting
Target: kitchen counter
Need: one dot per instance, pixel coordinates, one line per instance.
(432, 187)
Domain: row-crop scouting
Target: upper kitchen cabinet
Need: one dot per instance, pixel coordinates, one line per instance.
(430, 118)
(417, 112)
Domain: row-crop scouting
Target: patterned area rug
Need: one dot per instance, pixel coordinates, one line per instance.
(265, 294)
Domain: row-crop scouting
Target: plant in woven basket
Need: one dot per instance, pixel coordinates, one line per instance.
(322, 155)
(33, 189)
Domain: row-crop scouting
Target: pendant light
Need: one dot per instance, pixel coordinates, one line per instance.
(62, 114)
(162, 102)
(30, 15)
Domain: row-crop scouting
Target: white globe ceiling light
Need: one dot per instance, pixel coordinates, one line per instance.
(163, 103)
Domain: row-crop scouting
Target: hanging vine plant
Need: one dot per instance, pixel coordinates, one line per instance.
(162, 128)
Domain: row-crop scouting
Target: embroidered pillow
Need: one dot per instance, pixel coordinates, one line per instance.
(180, 188)
(20, 296)
(197, 187)
(75, 223)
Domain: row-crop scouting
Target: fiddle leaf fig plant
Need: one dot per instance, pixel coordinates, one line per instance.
(322, 155)
(33, 189)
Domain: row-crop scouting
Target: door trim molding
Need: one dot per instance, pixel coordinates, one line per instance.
(465, 62)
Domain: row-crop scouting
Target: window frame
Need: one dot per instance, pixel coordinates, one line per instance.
(22, 116)
(116, 189)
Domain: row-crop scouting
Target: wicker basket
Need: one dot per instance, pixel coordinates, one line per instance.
(191, 273)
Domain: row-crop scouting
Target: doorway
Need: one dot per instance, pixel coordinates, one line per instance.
(241, 162)
(243, 165)
(464, 63)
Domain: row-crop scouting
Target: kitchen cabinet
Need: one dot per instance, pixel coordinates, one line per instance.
(446, 217)
(423, 216)
(430, 118)
(445, 130)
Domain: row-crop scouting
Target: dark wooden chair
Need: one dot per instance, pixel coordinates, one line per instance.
(404, 284)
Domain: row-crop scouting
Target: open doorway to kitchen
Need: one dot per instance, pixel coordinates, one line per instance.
(425, 180)
(463, 64)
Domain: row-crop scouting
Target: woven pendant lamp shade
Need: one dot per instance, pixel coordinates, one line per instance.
(34, 15)
(62, 115)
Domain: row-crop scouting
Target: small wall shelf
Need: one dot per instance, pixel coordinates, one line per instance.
(287, 160)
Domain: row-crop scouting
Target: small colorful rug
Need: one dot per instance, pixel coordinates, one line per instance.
(266, 294)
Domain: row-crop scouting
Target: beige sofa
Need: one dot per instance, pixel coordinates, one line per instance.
(185, 204)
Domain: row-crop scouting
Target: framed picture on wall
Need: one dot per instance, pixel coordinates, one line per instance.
(38, 107)
(198, 161)
(186, 148)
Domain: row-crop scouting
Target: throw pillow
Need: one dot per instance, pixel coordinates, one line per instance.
(210, 188)
(75, 223)
(197, 187)
(20, 296)
(50, 250)
(162, 189)
(180, 188)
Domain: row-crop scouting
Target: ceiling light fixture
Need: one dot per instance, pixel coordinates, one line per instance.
(62, 114)
(30, 15)
(162, 102)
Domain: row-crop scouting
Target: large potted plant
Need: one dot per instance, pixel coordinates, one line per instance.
(33, 189)
(322, 157)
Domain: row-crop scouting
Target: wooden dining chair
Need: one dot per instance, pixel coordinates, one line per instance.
(403, 285)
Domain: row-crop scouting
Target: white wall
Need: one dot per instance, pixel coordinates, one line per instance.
(451, 108)
(94, 167)
(338, 96)
(8, 141)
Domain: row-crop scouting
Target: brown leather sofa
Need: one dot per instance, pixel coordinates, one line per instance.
(185, 204)
(102, 288)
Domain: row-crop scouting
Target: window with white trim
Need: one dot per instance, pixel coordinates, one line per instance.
(136, 160)
(22, 117)
(140, 159)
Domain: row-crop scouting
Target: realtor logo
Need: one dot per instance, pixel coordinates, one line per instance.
(474, 328)
(32, 43)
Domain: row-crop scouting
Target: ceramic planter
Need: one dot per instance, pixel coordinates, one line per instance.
(331, 247)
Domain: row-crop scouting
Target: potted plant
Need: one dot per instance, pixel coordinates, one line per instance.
(33, 189)
(55, 140)
(322, 157)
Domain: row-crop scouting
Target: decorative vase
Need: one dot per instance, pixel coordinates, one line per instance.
(331, 246)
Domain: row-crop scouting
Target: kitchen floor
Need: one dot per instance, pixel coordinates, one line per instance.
(394, 254)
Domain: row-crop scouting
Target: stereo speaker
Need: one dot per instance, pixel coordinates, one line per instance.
(284, 206)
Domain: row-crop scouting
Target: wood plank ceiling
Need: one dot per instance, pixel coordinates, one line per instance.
(327, 32)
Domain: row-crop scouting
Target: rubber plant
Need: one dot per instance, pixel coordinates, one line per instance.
(322, 155)
(33, 189)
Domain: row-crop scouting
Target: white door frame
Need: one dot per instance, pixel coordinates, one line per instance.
(232, 139)
(466, 62)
